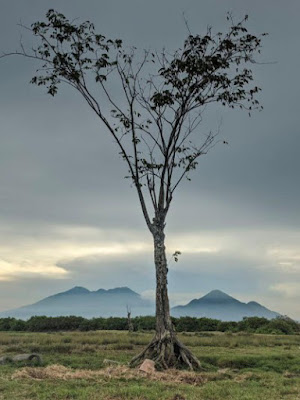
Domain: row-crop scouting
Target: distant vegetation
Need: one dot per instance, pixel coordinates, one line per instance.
(280, 325)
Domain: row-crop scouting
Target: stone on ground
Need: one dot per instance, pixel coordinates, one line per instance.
(147, 366)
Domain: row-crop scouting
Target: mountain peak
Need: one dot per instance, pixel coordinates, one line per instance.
(253, 303)
(77, 290)
(122, 290)
(217, 295)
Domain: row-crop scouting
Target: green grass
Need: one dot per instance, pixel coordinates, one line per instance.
(236, 367)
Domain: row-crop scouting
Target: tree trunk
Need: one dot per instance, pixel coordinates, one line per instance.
(129, 322)
(163, 320)
(165, 348)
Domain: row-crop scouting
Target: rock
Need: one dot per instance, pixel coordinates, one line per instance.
(5, 359)
(28, 357)
(147, 366)
(21, 357)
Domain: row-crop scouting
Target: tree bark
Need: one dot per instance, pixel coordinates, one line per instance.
(163, 319)
(165, 348)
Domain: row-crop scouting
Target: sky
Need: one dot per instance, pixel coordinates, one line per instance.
(67, 216)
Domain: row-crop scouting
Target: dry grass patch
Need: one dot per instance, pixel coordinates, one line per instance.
(173, 376)
(288, 374)
(54, 372)
(247, 376)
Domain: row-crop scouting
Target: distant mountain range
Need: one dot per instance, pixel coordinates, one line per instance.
(113, 302)
(219, 305)
(83, 302)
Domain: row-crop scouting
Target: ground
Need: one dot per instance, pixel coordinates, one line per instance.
(235, 367)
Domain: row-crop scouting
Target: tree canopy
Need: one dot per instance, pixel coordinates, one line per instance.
(150, 101)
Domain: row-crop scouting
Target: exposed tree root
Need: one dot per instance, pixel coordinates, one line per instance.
(167, 352)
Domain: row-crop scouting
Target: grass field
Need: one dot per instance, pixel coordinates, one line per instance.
(235, 367)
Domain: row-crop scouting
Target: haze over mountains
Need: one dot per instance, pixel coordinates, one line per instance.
(113, 302)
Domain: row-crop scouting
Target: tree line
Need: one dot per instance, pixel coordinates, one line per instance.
(280, 325)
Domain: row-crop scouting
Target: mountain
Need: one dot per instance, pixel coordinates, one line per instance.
(113, 302)
(219, 305)
(83, 302)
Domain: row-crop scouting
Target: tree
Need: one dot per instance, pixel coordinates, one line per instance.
(154, 116)
(129, 321)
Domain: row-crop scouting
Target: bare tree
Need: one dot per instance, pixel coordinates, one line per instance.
(129, 321)
(152, 104)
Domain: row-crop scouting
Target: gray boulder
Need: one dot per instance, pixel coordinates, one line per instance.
(21, 357)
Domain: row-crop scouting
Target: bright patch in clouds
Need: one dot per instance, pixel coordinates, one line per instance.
(29, 256)
(286, 252)
(198, 242)
(287, 289)
(25, 268)
(287, 257)
(60, 245)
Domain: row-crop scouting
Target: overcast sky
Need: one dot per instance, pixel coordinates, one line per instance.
(67, 216)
